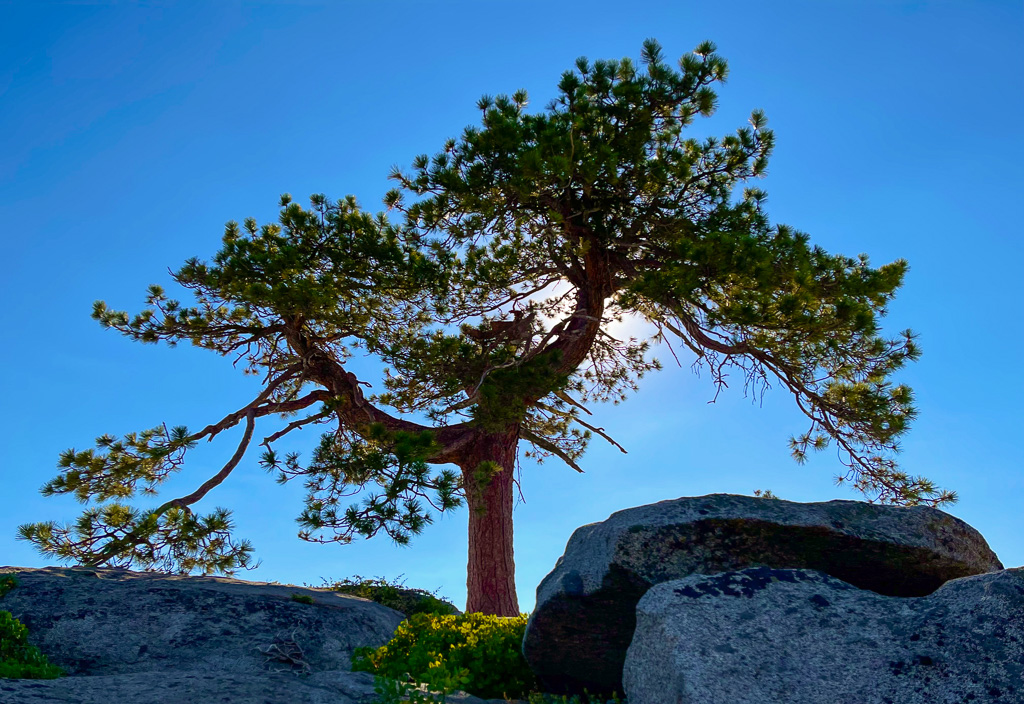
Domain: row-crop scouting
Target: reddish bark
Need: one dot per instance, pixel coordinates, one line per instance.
(491, 572)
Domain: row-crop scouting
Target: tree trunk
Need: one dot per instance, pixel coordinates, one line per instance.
(491, 572)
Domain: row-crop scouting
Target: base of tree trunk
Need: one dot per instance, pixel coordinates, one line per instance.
(491, 571)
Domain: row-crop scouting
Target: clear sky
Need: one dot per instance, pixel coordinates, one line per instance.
(130, 132)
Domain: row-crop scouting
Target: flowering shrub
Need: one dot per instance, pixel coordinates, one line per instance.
(479, 654)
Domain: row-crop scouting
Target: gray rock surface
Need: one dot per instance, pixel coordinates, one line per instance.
(194, 687)
(205, 687)
(155, 638)
(762, 635)
(110, 621)
(585, 616)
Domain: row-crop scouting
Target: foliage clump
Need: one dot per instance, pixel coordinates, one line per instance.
(395, 596)
(475, 653)
(18, 659)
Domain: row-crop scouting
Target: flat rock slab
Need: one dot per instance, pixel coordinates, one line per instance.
(109, 621)
(204, 687)
(193, 687)
(773, 635)
(585, 616)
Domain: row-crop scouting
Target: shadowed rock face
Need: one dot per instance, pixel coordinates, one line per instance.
(585, 616)
(778, 635)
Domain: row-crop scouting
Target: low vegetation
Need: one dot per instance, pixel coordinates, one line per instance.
(394, 595)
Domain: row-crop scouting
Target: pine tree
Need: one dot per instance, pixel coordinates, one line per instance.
(489, 299)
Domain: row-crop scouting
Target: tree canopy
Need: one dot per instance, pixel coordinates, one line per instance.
(488, 290)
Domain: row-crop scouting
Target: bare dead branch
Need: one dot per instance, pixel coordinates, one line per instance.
(572, 402)
(599, 431)
(549, 447)
(293, 425)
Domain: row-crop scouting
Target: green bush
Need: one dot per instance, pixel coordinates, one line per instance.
(18, 659)
(479, 654)
(394, 596)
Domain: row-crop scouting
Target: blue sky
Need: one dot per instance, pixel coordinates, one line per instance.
(130, 132)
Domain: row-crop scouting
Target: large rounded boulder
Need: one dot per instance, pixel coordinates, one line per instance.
(768, 635)
(577, 636)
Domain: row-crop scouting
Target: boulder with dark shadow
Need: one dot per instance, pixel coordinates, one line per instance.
(585, 616)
